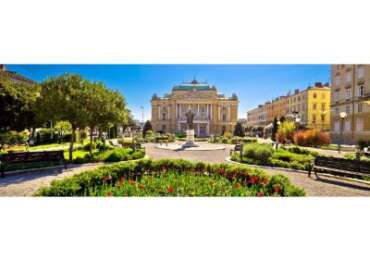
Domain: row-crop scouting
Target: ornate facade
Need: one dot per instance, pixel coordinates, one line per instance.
(214, 113)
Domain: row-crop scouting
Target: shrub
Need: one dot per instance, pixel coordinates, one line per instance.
(12, 138)
(227, 135)
(110, 180)
(311, 137)
(285, 132)
(261, 153)
(89, 146)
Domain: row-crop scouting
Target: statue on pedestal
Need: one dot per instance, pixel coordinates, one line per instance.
(190, 119)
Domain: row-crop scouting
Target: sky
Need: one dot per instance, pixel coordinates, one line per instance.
(253, 84)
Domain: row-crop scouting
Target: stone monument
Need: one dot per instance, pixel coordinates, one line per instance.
(189, 130)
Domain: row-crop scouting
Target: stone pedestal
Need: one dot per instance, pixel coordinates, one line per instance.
(189, 139)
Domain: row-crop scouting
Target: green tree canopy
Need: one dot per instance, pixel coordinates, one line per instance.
(17, 101)
(147, 127)
(105, 108)
(239, 130)
(62, 99)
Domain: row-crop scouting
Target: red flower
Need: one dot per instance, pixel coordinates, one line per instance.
(260, 194)
(108, 194)
(254, 179)
(170, 189)
(221, 171)
(277, 188)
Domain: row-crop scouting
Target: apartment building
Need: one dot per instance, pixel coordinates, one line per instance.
(311, 106)
(350, 94)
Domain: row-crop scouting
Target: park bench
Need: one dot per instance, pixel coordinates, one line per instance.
(31, 157)
(340, 167)
(237, 148)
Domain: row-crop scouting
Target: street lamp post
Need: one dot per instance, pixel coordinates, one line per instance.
(297, 122)
(142, 114)
(342, 116)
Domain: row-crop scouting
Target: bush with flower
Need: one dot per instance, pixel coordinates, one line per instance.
(172, 178)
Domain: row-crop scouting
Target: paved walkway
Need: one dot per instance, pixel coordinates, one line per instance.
(26, 184)
(324, 187)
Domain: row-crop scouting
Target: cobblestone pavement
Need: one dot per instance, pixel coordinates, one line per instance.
(26, 184)
(324, 187)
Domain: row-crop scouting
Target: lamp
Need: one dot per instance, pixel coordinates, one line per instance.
(342, 116)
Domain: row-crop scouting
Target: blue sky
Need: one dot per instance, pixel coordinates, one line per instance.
(254, 84)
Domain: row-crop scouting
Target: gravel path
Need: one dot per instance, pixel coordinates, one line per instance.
(324, 187)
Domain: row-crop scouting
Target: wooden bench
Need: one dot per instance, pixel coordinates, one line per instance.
(29, 157)
(237, 148)
(340, 167)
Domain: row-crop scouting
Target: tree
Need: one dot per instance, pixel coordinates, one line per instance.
(62, 127)
(62, 98)
(105, 108)
(275, 126)
(147, 127)
(16, 104)
(239, 130)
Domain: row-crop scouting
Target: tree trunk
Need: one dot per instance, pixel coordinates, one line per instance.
(91, 139)
(71, 144)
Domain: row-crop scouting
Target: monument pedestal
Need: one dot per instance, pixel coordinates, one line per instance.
(189, 139)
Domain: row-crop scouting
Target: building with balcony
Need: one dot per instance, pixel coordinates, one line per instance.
(350, 94)
(214, 113)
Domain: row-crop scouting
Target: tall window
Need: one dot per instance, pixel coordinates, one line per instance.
(322, 118)
(337, 81)
(348, 93)
(314, 106)
(348, 109)
(347, 126)
(323, 106)
(314, 95)
(336, 126)
(360, 90)
(314, 119)
(359, 107)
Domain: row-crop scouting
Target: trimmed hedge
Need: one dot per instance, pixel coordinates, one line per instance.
(263, 154)
(257, 181)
